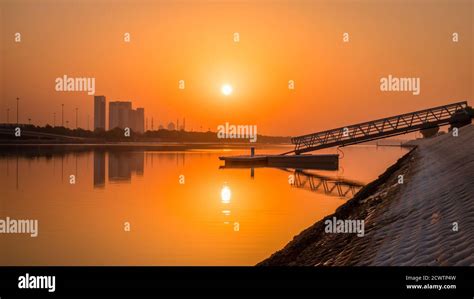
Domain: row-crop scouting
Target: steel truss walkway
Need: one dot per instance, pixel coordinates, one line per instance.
(377, 129)
(327, 185)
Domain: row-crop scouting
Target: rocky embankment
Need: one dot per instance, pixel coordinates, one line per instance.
(427, 220)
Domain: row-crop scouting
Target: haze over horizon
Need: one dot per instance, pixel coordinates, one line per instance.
(336, 83)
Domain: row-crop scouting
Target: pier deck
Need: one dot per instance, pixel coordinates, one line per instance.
(324, 162)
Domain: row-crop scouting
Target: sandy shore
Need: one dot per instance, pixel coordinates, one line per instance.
(405, 224)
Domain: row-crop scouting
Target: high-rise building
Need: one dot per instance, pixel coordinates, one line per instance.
(121, 115)
(99, 112)
(139, 120)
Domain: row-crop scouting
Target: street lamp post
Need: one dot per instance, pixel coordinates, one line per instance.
(17, 110)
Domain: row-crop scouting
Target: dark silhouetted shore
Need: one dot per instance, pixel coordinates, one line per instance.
(427, 220)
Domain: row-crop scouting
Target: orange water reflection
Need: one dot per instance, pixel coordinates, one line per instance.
(182, 209)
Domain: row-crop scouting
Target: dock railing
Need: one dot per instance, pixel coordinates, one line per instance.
(377, 129)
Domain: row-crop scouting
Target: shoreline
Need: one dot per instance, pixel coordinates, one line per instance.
(132, 146)
(145, 146)
(409, 224)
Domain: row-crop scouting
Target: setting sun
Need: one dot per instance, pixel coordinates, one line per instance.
(226, 89)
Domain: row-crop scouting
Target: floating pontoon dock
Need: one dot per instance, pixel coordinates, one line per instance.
(323, 162)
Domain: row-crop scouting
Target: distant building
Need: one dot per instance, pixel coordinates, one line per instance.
(138, 120)
(171, 126)
(119, 115)
(99, 112)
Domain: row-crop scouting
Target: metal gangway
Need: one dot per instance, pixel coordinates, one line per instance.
(377, 129)
(328, 185)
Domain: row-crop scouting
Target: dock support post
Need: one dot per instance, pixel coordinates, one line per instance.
(252, 151)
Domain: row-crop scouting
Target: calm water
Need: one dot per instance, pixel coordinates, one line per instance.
(216, 217)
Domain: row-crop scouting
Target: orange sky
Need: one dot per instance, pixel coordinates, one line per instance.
(336, 83)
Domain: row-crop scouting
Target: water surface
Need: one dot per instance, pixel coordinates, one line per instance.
(215, 217)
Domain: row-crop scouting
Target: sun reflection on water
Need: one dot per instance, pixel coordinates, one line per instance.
(225, 194)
